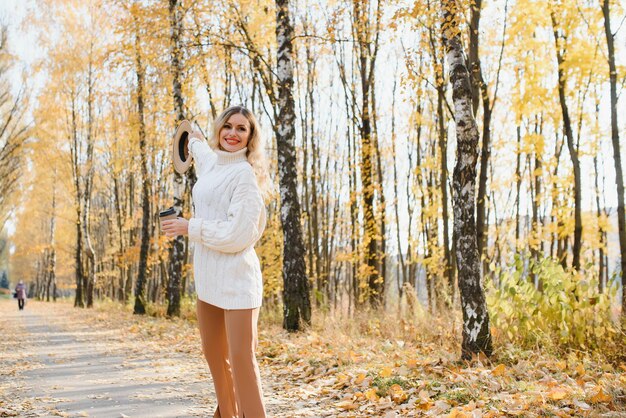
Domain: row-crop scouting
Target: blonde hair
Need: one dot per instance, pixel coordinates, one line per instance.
(256, 151)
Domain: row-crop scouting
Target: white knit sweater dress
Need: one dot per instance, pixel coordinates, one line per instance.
(229, 218)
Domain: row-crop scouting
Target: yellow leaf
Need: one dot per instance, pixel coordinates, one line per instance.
(499, 370)
(580, 369)
(601, 397)
(342, 380)
(455, 413)
(359, 379)
(425, 406)
(347, 405)
(557, 394)
(397, 393)
(371, 395)
(424, 396)
(411, 363)
(385, 372)
(354, 357)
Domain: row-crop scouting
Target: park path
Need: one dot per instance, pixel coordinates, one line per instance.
(56, 360)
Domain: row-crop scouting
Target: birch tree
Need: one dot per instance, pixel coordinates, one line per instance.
(178, 245)
(296, 293)
(476, 333)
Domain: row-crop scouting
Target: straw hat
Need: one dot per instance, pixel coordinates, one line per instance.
(180, 154)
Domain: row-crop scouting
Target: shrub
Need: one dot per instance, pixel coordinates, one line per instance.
(568, 311)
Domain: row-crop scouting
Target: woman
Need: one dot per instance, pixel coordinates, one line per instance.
(20, 294)
(229, 218)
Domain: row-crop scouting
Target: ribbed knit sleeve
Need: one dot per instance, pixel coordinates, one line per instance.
(200, 151)
(242, 228)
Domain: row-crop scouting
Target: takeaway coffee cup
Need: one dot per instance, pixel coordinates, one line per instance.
(167, 214)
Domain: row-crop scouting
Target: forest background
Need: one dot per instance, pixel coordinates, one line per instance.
(92, 92)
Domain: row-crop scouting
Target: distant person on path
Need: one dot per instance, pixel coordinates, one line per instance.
(229, 219)
(20, 291)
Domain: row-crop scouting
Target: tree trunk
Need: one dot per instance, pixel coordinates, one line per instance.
(381, 256)
(296, 294)
(619, 177)
(140, 307)
(476, 333)
(178, 249)
(401, 263)
(601, 233)
(374, 280)
(573, 151)
(518, 184)
(78, 253)
(51, 267)
(535, 174)
(443, 184)
(442, 144)
(89, 250)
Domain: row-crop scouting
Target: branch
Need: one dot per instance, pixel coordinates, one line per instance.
(495, 93)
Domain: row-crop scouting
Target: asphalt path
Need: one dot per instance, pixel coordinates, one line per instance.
(55, 361)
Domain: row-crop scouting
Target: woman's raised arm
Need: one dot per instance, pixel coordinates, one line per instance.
(199, 150)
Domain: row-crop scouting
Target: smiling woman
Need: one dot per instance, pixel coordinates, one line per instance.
(229, 219)
(235, 132)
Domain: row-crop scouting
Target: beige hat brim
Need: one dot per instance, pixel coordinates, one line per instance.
(180, 154)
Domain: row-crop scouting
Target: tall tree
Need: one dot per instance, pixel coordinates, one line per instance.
(367, 50)
(560, 46)
(296, 293)
(480, 91)
(90, 260)
(13, 133)
(476, 333)
(140, 307)
(619, 176)
(75, 150)
(178, 246)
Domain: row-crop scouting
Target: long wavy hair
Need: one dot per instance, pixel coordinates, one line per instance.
(256, 150)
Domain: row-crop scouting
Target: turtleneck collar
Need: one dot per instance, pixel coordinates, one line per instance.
(225, 157)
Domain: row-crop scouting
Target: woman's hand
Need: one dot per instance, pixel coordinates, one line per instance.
(175, 227)
(196, 134)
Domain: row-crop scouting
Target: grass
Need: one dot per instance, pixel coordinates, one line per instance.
(383, 384)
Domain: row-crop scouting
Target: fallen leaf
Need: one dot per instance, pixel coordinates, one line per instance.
(359, 379)
(600, 397)
(455, 413)
(580, 369)
(371, 395)
(347, 405)
(385, 372)
(557, 394)
(397, 394)
(499, 370)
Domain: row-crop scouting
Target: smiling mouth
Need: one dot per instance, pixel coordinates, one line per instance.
(231, 141)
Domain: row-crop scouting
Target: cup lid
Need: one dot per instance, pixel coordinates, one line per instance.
(166, 212)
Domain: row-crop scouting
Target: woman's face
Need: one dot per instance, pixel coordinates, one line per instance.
(235, 132)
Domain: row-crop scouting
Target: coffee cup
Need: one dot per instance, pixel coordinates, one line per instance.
(166, 214)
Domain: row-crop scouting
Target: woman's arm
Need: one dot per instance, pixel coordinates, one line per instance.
(199, 150)
(243, 226)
